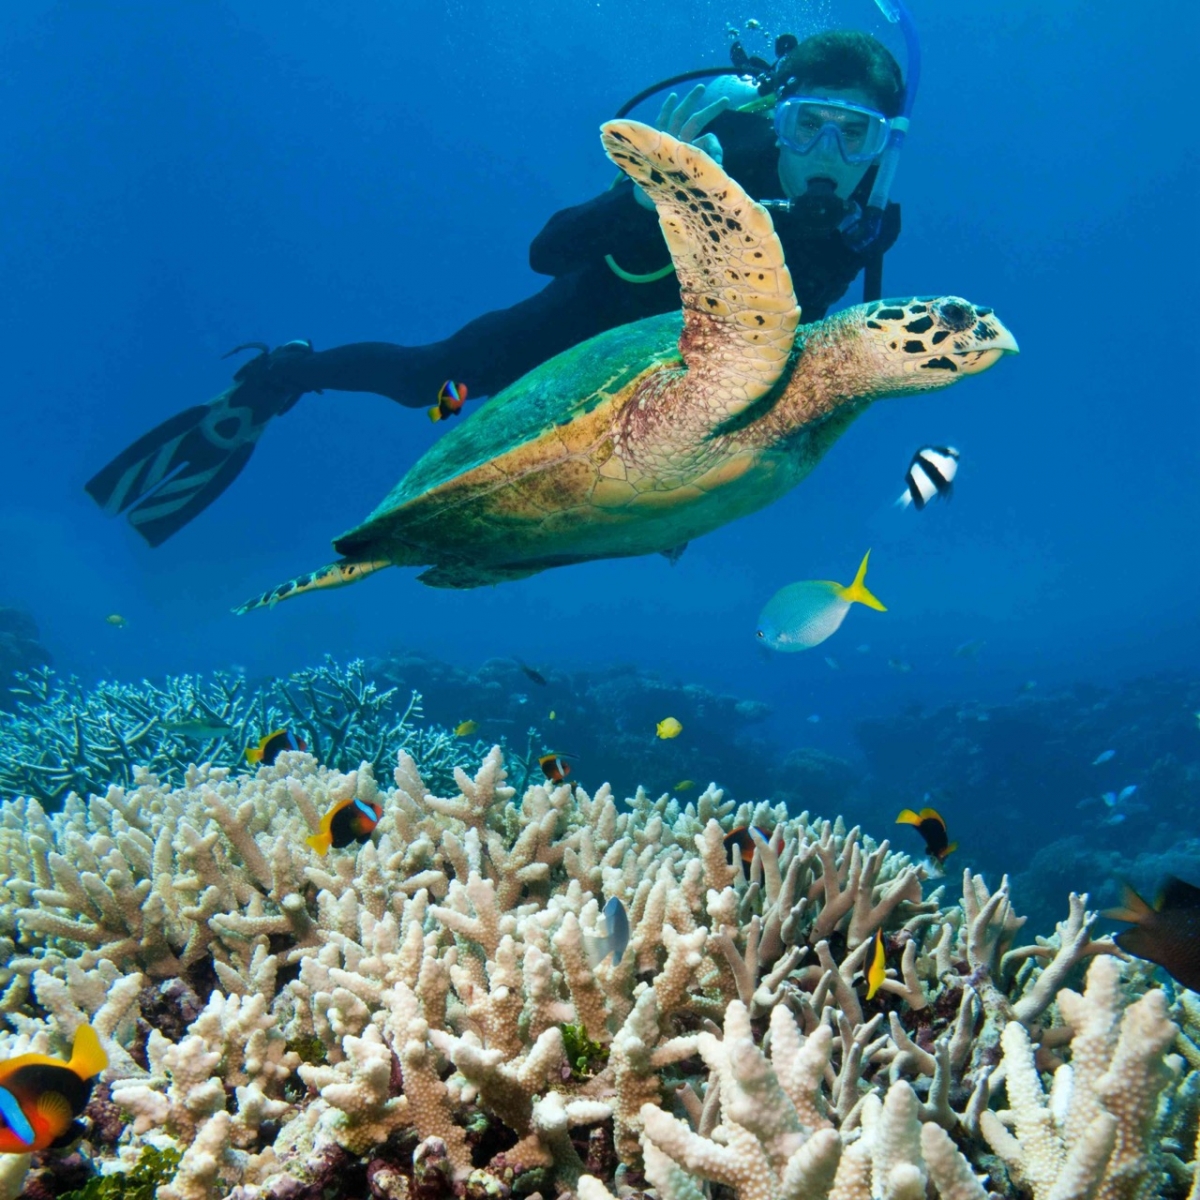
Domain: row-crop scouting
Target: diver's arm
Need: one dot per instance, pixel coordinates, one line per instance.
(611, 223)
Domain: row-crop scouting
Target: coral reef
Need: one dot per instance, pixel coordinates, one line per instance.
(605, 717)
(64, 737)
(1020, 778)
(21, 651)
(421, 1014)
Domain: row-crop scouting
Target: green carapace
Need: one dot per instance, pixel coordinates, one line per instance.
(654, 433)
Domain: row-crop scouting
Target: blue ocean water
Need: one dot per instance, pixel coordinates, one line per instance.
(177, 180)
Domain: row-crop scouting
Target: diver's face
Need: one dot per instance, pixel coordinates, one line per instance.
(823, 167)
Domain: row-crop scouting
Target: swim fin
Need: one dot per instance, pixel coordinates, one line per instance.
(173, 473)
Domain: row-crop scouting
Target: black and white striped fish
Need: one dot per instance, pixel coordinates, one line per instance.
(930, 474)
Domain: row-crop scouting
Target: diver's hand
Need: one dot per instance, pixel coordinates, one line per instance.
(685, 119)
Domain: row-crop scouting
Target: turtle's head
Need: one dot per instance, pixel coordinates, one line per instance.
(927, 342)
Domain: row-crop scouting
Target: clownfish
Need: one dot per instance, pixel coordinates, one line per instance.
(738, 841)
(40, 1097)
(932, 828)
(273, 745)
(1167, 934)
(451, 397)
(347, 821)
(555, 767)
(877, 972)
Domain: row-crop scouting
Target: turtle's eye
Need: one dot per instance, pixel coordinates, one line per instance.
(956, 316)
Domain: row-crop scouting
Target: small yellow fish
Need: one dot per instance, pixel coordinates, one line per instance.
(116, 620)
(878, 971)
(553, 714)
(685, 785)
(465, 728)
(668, 728)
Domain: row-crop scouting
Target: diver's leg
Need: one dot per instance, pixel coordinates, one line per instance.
(179, 468)
(487, 354)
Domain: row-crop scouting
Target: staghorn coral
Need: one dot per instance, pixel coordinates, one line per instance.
(429, 972)
(63, 737)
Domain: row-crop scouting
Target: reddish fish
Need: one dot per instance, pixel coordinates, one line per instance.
(40, 1097)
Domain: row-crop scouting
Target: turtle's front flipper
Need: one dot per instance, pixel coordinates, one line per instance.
(739, 311)
(337, 574)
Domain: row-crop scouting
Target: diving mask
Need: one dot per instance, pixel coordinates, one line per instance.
(803, 123)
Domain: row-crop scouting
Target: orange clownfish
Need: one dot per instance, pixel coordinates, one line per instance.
(555, 767)
(877, 972)
(932, 828)
(273, 745)
(40, 1097)
(738, 841)
(451, 397)
(347, 821)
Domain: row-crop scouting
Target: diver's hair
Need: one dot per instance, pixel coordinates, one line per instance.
(844, 58)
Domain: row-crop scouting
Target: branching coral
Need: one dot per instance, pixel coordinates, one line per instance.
(63, 737)
(428, 974)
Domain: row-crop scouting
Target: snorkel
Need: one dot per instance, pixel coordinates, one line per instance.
(866, 229)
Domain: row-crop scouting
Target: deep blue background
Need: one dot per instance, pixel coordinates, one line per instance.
(177, 179)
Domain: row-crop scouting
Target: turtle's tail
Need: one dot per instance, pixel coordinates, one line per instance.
(337, 574)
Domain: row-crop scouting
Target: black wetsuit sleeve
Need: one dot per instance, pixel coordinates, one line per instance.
(615, 223)
(611, 223)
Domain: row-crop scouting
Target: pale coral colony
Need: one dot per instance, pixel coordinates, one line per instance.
(417, 1015)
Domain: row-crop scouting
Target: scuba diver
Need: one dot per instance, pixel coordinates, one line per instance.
(815, 137)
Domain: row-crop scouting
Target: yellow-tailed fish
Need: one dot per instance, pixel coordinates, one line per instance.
(40, 1096)
(668, 728)
(803, 615)
(877, 972)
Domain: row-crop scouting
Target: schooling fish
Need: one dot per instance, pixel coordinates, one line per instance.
(40, 1097)
(803, 615)
(877, 972)
(555, 767)
(347, 821)
(465, 728)
(668, 728)
(930, 474)
(273, 745)
(932, 828)
(969, 649)
(1103, 757)
(898, 664)
(451, 397)
(1167, 934)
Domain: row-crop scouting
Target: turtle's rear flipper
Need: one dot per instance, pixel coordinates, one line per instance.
(174, 472)
(338, 574)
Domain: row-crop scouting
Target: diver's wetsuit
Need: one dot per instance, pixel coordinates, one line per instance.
(175, 471)
(586, 297)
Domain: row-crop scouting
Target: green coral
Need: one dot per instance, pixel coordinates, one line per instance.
(585, 1056)
(310, 1048)
(154, 1168)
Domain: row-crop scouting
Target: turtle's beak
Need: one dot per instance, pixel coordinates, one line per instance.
(972, 359)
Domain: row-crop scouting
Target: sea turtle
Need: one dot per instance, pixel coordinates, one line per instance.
(654, 433)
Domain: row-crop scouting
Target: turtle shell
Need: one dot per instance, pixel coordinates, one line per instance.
(527, 453)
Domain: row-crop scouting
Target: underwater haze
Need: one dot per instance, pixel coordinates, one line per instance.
(179, 180)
